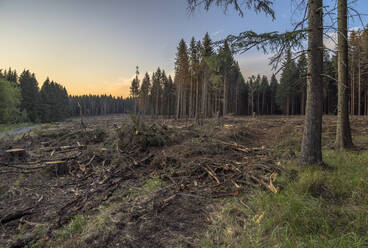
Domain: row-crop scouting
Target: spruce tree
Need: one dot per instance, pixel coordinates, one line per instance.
(144, 92)
(30, 95)
(134, 90)
(343, 132)
(273, 91)
(182, 76)
(226, 64)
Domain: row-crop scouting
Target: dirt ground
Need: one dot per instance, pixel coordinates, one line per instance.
(134, 182)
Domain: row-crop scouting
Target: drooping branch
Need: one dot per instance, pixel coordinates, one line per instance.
(269, 43)
(259, 6)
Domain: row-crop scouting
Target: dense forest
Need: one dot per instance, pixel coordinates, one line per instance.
(207, 83)
(21, 99)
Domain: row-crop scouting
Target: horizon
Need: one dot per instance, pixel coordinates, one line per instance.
(92, 47)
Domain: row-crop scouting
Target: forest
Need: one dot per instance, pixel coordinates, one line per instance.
(207, 157)
(207, 83)
(23, 100)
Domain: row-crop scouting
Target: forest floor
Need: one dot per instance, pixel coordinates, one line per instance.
(132, 182)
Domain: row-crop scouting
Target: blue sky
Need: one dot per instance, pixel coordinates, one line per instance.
(93, 46)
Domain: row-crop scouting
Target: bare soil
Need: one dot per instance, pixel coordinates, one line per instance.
(103, 173)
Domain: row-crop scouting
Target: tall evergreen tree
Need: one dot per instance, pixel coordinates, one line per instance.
(288, 85)
(311, 148)
(54, 102)
(134, 89)
(343, 133)
(302, 81)
(30, 94)
(273, 91)
(226, 64)
(182, 76)
(144, 93)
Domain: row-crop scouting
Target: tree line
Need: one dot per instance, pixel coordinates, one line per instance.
(209, 82)
(155, 95)
(21, 100)
(29, 102)
(206, 83)
(92, 105)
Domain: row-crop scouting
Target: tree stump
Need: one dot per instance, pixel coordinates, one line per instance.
(15, 155)
(57, 168)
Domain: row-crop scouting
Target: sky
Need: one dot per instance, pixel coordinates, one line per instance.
(93, 46)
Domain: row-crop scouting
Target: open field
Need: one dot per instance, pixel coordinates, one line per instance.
(130, 182)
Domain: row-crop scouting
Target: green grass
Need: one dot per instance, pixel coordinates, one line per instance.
(75, 227)
(321, 208)
(150, 186)
(288, 148)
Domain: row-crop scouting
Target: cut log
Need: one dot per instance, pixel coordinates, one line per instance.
(62, 148)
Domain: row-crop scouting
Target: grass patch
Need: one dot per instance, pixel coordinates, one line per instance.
(288, 148)
(76, 226)
(321, 208)
(150, 186)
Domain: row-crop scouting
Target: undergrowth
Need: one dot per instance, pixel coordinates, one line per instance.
(138, 134)
(320, 208)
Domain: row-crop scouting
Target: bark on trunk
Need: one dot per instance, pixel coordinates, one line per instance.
(311, 145)
(224, 111)
(343, 134)
(178, 101)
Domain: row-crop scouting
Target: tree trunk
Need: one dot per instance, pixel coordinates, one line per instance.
(196, 99)
(263, 102)
(352, 87)
(271, 101)
(359, 84)
(191, 96)
(365, 100)
(204, 95)
(224, 111)
(311, 145)
(343, 133)
(178, 100)
(302, 104)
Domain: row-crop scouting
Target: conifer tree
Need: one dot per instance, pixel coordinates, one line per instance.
(288, 88)
(30, 95)
(144, 93)
(226, 65)
(273, 91)
(134, 90)
(181, 79)
(343, 133)
(311, 148)
(10, 98)
(302, 81)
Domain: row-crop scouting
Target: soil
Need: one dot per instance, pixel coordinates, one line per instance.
(102, 172)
